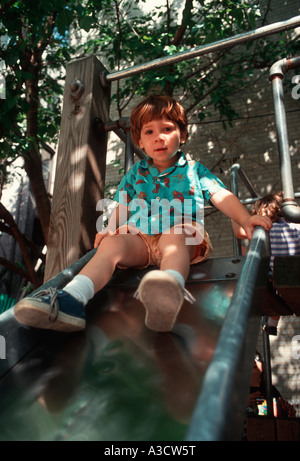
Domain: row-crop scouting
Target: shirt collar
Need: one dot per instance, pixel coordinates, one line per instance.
(182, 161)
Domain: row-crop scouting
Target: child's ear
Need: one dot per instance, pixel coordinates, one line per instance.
(183, 137)
(140, 144)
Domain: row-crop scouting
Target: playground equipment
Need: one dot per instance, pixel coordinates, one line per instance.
(117, 380)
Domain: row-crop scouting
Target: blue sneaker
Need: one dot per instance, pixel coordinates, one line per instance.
(51, 309)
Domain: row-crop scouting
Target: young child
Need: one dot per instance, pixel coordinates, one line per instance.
(284, 236)
(141, 232)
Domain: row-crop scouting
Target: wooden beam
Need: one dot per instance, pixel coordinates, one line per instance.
(81, 164)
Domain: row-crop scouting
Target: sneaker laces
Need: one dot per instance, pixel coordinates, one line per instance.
(188, 296)
(53, 303)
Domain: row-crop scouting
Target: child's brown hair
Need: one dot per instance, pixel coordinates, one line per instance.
(269, 205)
(154, 108)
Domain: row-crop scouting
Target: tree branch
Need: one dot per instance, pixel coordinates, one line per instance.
(8, 218)
(36, 250)
(213, 88)
(186, 16)
(15, 268)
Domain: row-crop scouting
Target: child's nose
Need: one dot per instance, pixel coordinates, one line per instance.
(159, 136)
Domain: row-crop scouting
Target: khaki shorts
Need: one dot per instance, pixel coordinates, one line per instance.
(198, 237)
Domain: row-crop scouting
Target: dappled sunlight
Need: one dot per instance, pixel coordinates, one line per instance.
(267, 157)
(193, 130)
(273, 136)
(76, 182)
(72, 253)
(210, 146)
(294, 150)
(115, 148)
(283, 362)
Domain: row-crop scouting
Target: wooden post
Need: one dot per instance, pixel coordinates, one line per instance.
(81, 163)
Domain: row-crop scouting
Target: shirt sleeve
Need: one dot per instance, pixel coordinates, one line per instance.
(209, 183)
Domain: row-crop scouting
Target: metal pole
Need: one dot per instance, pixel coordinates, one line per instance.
(267, 366)
(290, 209)
(121, 128)
(236, 170)
(283, 143)
(201, 50)
(237, 244)
(129, 153)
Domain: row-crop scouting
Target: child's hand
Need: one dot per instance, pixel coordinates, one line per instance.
(256, 220)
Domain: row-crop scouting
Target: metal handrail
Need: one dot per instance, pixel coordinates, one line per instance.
(235, 171)
(226, 384)
(201, 50)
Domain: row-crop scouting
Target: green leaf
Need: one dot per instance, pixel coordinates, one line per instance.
(86, 22)
(64, 21)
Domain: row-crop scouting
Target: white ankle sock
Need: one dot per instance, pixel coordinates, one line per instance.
(177, 275)
(81, 287)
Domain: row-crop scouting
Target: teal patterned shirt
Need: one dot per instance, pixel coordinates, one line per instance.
(158, 201)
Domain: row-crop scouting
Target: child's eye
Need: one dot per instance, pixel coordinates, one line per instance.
(168, 129)
(148, 132)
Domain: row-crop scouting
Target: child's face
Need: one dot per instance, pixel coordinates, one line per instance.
(161, 140)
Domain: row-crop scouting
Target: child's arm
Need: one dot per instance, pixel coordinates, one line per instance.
(118, 217)
(238, 230)
(244, 223)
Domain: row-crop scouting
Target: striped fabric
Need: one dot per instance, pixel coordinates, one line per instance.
(284, 239)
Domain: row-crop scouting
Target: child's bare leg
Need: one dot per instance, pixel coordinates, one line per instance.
(176, 254)
(126, 249)
(162, 292)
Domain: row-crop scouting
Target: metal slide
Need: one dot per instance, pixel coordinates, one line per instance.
(119, 381)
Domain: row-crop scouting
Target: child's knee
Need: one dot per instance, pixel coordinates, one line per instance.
(172, 240)
(112, 245)
(108, 243)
